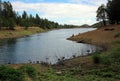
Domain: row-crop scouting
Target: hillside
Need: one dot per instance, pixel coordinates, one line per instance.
(102, 35)
(85, 26)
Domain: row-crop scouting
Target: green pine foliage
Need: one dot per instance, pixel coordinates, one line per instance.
(9, 19)
(110, 12)
(7, 16)
(113, 11)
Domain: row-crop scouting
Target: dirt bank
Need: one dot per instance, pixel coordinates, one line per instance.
(100, 36)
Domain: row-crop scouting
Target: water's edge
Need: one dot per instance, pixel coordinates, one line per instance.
(49, 47)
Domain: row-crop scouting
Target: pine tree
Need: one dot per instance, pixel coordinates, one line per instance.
(102, 14)
(113, 7)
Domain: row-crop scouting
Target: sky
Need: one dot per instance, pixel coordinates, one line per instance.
(73, 12)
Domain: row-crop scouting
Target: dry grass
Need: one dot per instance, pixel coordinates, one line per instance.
(100, 36)
(37, 66)
(19, 32)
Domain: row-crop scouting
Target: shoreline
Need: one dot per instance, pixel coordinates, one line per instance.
(106, 46)
(83, 68)
(19, 32)
(101, 36)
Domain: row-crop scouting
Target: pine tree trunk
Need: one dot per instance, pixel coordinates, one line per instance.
(104, 22)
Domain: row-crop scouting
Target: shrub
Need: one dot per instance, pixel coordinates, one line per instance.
(10, 74)
(96, 58)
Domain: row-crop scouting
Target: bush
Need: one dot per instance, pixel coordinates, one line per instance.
(10, 74)
(96, 58)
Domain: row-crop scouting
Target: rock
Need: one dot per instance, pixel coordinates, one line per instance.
(81, 41)
(72, 35)
(58, 72)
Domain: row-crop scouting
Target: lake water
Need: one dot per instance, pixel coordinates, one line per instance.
(46, 47)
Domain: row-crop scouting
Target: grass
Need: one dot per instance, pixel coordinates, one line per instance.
(100, 36)
(117, 35)
(29, 71)
(19, 32)
(23, 73)
(100, 66)
(10, 74)
(103, 66)
(110, 61)
(112, 73)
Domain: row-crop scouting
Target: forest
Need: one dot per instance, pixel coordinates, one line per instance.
(10, 18)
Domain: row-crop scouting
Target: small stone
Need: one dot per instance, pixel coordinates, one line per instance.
(58, 72)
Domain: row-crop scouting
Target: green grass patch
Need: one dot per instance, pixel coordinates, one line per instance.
(30, 71)
(117, 35)
(108, 72)
(52, 76)
(110, 61)
(94, 78)
(10, 74)
(116, 42)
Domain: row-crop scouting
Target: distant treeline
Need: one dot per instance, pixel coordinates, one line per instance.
(109, 13)
(9, 19)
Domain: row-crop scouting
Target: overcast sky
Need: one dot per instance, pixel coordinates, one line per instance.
(76, 12)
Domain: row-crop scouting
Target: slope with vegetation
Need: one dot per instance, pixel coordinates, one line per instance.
(100, 66)
(100, 36)
(103, 66)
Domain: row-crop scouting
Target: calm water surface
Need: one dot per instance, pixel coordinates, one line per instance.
(46, 47)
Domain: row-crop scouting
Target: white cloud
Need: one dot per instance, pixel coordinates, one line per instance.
(89, 2)
(78, 13)
(82, 21)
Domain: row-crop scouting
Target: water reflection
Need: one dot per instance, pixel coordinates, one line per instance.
(7, 46)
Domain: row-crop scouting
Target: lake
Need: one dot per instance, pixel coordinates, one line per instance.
(44, 47)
